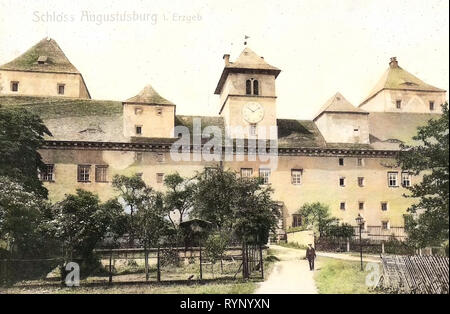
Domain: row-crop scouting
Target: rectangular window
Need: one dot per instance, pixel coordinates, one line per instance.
(431, 105)
(392, 179)
(360, 162)
(342, 206)
(296, 220)
(342, 181)
(296, 176)
(61, 89)
(361, 181)
(361, 205)
(406, 179)
(84, 172)
(47, 174)
(14, 86)
(159, 177)
(264, 174)
(253, 129)
(398, 104)
(385, 225)
(101, 173)
(341, 161)
(384, 206)
(138, 129)
(139, 156)
(160, 157)
(246, 172)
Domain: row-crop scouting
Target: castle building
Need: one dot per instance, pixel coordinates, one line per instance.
(344, 157)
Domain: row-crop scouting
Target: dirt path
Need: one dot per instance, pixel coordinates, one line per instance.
(291, 275)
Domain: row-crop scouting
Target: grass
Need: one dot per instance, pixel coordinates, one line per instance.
(174, 281)
(293, 245)
(334, 276)
(216, 287)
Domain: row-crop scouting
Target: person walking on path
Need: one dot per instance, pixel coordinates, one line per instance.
(310, 256)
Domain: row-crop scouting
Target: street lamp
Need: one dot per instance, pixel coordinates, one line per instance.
(360, 222)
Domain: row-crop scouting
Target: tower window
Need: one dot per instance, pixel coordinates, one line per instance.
(255, 87)
(138, 129)
(253, 129)
(342, 181)
(385, 225)
(14, 86)
(61, 89)
(342, 206)
(398, 104)
(138, 111)
(431, 105)
(248, 87)
(159, 111)
(361, 181)
(384, 206)
(360, 162)
(341, 161)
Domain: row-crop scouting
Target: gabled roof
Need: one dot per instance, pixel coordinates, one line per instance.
(52, 59)
(248, 61)
(338, 104)
(149, 96)
(396, 78)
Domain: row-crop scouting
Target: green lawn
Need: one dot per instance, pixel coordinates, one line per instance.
(335, 276)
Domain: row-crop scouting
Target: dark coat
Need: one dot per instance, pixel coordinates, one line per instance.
(310, 253)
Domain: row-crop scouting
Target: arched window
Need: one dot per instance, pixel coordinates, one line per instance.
(255, 87)
(249, 87)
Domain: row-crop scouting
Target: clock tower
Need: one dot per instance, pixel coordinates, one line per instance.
(247, 96)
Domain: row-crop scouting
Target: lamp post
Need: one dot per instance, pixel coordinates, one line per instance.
(360, 222)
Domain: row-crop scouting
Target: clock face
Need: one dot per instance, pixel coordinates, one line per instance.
(253, 112)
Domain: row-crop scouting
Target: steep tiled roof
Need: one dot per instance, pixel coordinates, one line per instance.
(338, 103)
(396, 78)
(51, 57)
(248, 61)
(101, 121)
(149, 96)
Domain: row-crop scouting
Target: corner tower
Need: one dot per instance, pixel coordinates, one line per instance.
(248, 96)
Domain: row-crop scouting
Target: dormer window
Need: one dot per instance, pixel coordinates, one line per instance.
(61, 88)
(42, 60)
(14, 86)
(252, 87)
(398, 104)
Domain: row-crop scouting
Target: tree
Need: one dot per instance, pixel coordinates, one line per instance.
(179, 197)
(82, 222)
(427, 221)
(23, 221)
(317, 216)
(21, 135)
(240, 206)
(255, 213)
(134, 193)
(215, 197)
(24, 233)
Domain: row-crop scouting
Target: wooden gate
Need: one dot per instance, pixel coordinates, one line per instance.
(252, 261)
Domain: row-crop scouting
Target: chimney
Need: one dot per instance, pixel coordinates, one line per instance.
(393, 63)
(226, 57)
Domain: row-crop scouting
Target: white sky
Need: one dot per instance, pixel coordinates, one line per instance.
(321, 46)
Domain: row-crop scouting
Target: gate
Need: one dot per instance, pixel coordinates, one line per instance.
(252, 261)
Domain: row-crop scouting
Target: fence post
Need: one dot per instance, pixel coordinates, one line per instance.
(146, 262)
(382, 247)
(201, 266)
(110, 266)
(261, 260)
(158, 266)
(348, 245)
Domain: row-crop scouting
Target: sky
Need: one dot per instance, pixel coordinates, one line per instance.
(177, 46)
